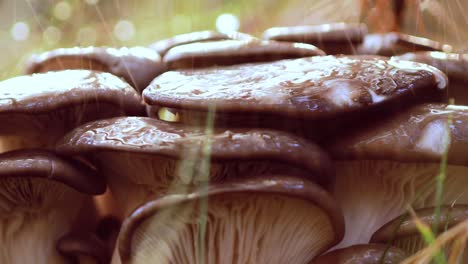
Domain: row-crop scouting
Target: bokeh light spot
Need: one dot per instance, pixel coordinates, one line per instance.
(92, 2)
(52, 35)
(20, 31)
(124, 30)
(62, 10)
(227, 23)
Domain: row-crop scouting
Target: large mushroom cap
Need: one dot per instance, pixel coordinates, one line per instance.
(363, 254)
(338, 38)
(162, 46)
(314, 88)
(137, 65)
(395, 43)
(230, 52)
(40, 108)
(42, 197)
(256, 220)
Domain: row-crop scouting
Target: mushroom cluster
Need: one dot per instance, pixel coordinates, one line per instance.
(227, 148)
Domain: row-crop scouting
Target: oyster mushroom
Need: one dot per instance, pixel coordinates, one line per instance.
(403, 233)
(163, 46)
(36, 110)
(41, 198)
(144, 157)
(394, 43)
(298, 95)
(230, 52)
(393, 163)
(338, 38)
(268, 219)
(453, 64)
(137, 65)
(363, 254)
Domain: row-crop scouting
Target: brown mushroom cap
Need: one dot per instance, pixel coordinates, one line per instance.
(46, 165)
(449, 216)
(363, 254)
(155, 137)
(163, 46)
(314, 88)
(415, 135)
(395, 43)
(230, 52)
(84, 246)
(271, 185)
(137, 65)
(338, 38)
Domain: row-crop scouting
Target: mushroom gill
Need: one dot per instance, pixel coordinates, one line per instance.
(142, 158)
(390, 165)
(42, 197)
(271, 219)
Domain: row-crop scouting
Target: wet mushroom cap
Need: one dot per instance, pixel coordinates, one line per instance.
(314, 87)
(363, 254)
(163, 46)
(394, 43)
(47, 165)
(150, 136)
(284, 186)
(230, 52)
(44, 92)
(338, 38)
(449, 217)
(137, 65)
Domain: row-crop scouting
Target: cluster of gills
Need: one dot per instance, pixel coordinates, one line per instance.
(226, 148)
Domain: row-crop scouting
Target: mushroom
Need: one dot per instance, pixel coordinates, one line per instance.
(41, 198)
(453, 64)
(300, 95)
(393, 163)
(229, 52)
(268, 219)
(84, 248)
(395, 43)
(137, 65)
(402, 231)
(36, 110)
(363, 254)
(142, 158)
(162, 46)
(337, 38)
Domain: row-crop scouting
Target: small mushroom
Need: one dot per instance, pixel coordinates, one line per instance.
(363, 254)
(230, 52)
(268, 219)
(393, 163)
(338, 38)
(36, 110)
(453, 64)
(137, 65)
(395, 43)
(162, 46)
(402, 231)
(142, 158)
(317, 95)
(42, 197)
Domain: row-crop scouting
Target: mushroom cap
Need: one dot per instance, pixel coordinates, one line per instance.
(84, 244)
(453, 64)
(162, 46)
(449, 216)
(230, 52)
(155, 137)
(47, 165)
(362, 254)
(313, 88)
(137, 65)
(415, 135)
(395, 43)
(282, 185)
(336, 32)
(45, 92)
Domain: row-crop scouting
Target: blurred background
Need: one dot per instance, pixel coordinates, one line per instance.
(31, 26)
